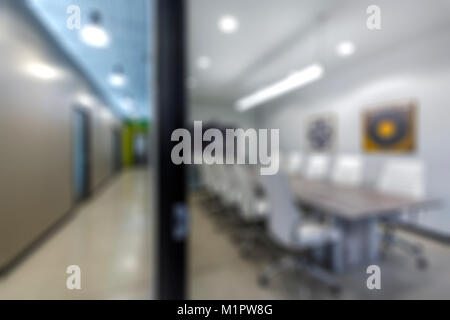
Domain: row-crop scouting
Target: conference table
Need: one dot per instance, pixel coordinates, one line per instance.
(357, 213)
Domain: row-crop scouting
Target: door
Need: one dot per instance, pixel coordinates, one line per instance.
(117, 150)
(80, 154)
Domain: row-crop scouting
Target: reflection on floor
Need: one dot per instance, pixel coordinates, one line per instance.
(108, 238)
(218, 271)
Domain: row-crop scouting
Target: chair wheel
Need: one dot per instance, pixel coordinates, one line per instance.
(245, 252)
(236, 238)
(422, 263)
(335, 290)
(263, 281)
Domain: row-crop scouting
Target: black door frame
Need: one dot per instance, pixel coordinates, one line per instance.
(172, 215)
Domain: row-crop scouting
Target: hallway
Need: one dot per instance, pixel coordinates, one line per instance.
(108, 237)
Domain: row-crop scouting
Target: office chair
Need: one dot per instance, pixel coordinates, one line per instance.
(252, 210)
(292, 163)
(230, 193)
(217, 183)
(317, 167)
(207, 174)
(347, 171)
(297, 238)
(210, 177)
(252, 204)
(226, 195)
(403, 178)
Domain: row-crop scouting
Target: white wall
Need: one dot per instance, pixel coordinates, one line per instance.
(419, 70)
(223, 113)
(36, 134)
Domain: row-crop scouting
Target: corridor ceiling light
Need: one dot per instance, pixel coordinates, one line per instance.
(86, 100)
(203, 62)
(94, 34)
(345, 49)
(42, 71)
(127, 105)
(117, 78)
(293, 81)
(228, 24)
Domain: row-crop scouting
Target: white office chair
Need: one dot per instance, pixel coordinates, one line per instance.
(208, 178)
(213, 185)
(251, 214)
(317, 167)
(253, 207)
(225, 194)
(231, 193)
(292, 163)
(347, 171)
(403, 177)
(291, 233)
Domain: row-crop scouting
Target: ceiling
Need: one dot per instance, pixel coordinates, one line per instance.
(277, 37)
(127, 24)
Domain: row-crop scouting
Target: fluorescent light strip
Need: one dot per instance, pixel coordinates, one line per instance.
(293, 81)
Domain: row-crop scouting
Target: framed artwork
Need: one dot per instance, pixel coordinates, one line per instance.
(390, 128)
(321, 132)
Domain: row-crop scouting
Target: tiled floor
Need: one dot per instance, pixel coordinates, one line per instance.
(110, 238)
(219, 272)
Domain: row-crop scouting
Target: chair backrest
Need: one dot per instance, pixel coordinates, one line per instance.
(293, 163)
(284, 216)
(403, 177)
(318, 167)
(220, 180)
(207, 175)
(225, 184)
(247, 191)
(348, 170)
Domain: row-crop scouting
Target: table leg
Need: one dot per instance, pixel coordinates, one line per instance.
(360, 243)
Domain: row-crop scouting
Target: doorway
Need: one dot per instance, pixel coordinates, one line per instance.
(80, 154)
(117, 150)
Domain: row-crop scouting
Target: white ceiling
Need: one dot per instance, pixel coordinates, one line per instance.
(127, 23)
(277, 37)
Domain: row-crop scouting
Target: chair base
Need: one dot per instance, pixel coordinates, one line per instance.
(390, 239)
(295, 263)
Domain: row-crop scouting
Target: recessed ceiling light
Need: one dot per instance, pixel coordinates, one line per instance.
(117, 80)
(345, 49)
(94, 34)
(117, 77)
(203, 62)
(228, 24)
(127, 105)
